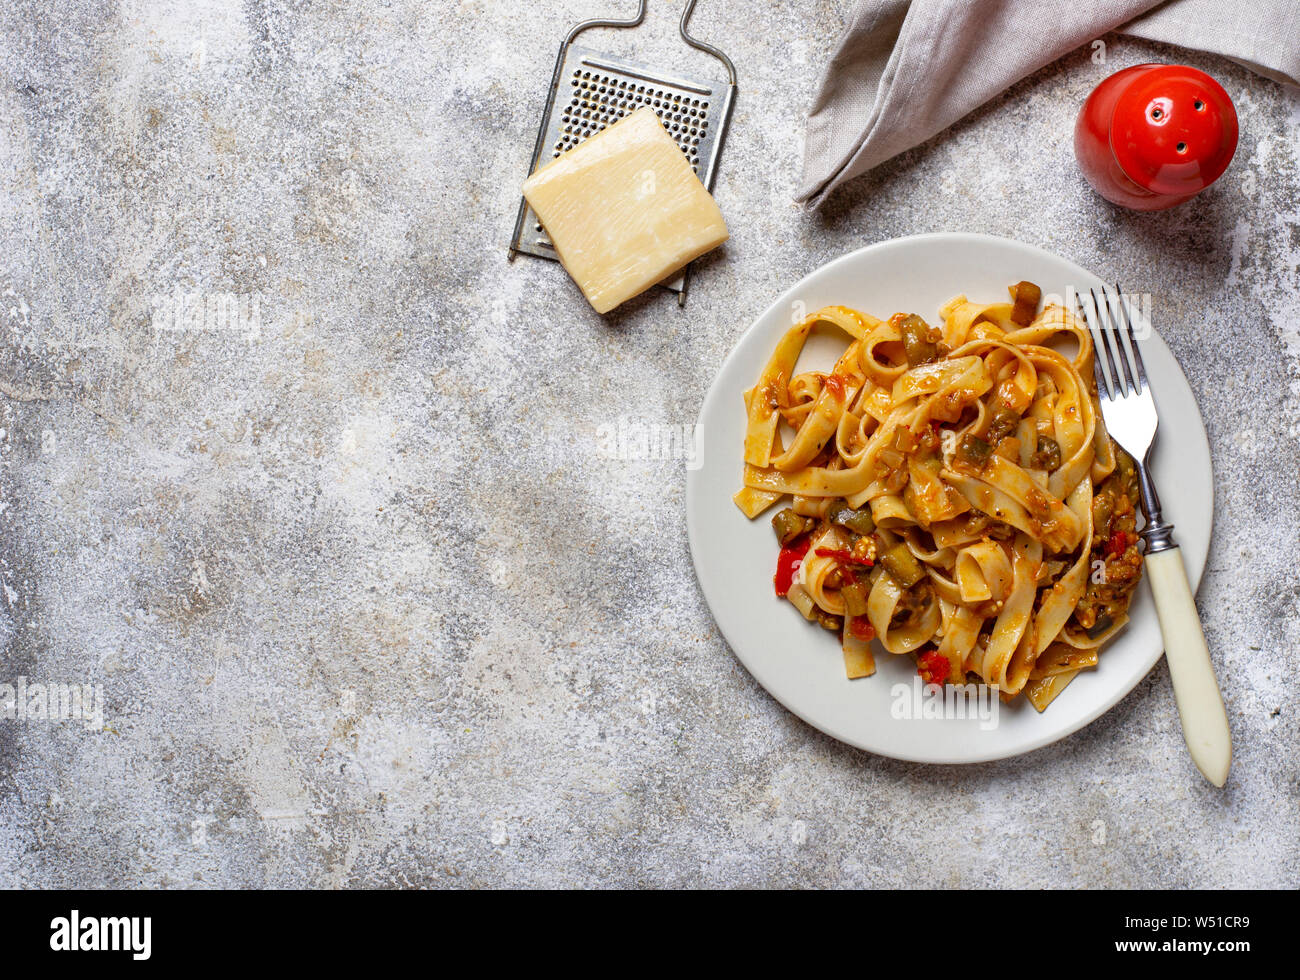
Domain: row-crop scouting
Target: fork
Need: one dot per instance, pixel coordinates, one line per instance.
(1130, 414)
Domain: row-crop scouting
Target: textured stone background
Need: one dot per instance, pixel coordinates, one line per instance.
(367, 608)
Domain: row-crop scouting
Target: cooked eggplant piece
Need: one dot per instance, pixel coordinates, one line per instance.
(920, 340)
(1027, 297)
(902, 566)
(855, 598)
(1048, 456)
(1003, 423)
(1103, 623)
(828, 622)
(788, 525)
(857, 521)
(973, 450)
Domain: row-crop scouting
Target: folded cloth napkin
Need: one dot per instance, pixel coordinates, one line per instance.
(906, 69)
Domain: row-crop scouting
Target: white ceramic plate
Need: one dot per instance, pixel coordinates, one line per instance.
(801, 664)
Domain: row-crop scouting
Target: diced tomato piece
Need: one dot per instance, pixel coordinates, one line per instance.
(861, 627)
(933, 667)
(1118, 544)
(841, 554)
(787, 564)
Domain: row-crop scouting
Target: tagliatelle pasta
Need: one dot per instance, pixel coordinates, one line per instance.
(953, 492)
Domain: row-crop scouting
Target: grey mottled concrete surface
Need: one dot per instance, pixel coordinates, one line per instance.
(368, 610)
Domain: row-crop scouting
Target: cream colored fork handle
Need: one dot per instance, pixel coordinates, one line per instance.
(1200, 706)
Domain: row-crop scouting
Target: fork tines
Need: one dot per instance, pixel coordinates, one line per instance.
(1104, 326)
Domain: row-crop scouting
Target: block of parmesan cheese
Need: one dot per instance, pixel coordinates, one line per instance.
(624, 210)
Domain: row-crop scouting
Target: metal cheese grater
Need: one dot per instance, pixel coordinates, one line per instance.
(590, 91)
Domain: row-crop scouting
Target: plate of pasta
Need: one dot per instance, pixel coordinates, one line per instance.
(909, 520)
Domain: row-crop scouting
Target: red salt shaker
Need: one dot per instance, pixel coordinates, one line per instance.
(1153, 136)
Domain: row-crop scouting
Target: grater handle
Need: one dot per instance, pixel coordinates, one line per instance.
(600, 22)
(695, 42)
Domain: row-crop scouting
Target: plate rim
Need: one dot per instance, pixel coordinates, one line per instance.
(1193, 563)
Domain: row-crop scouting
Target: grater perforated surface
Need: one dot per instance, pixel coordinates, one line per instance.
(597, 90)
